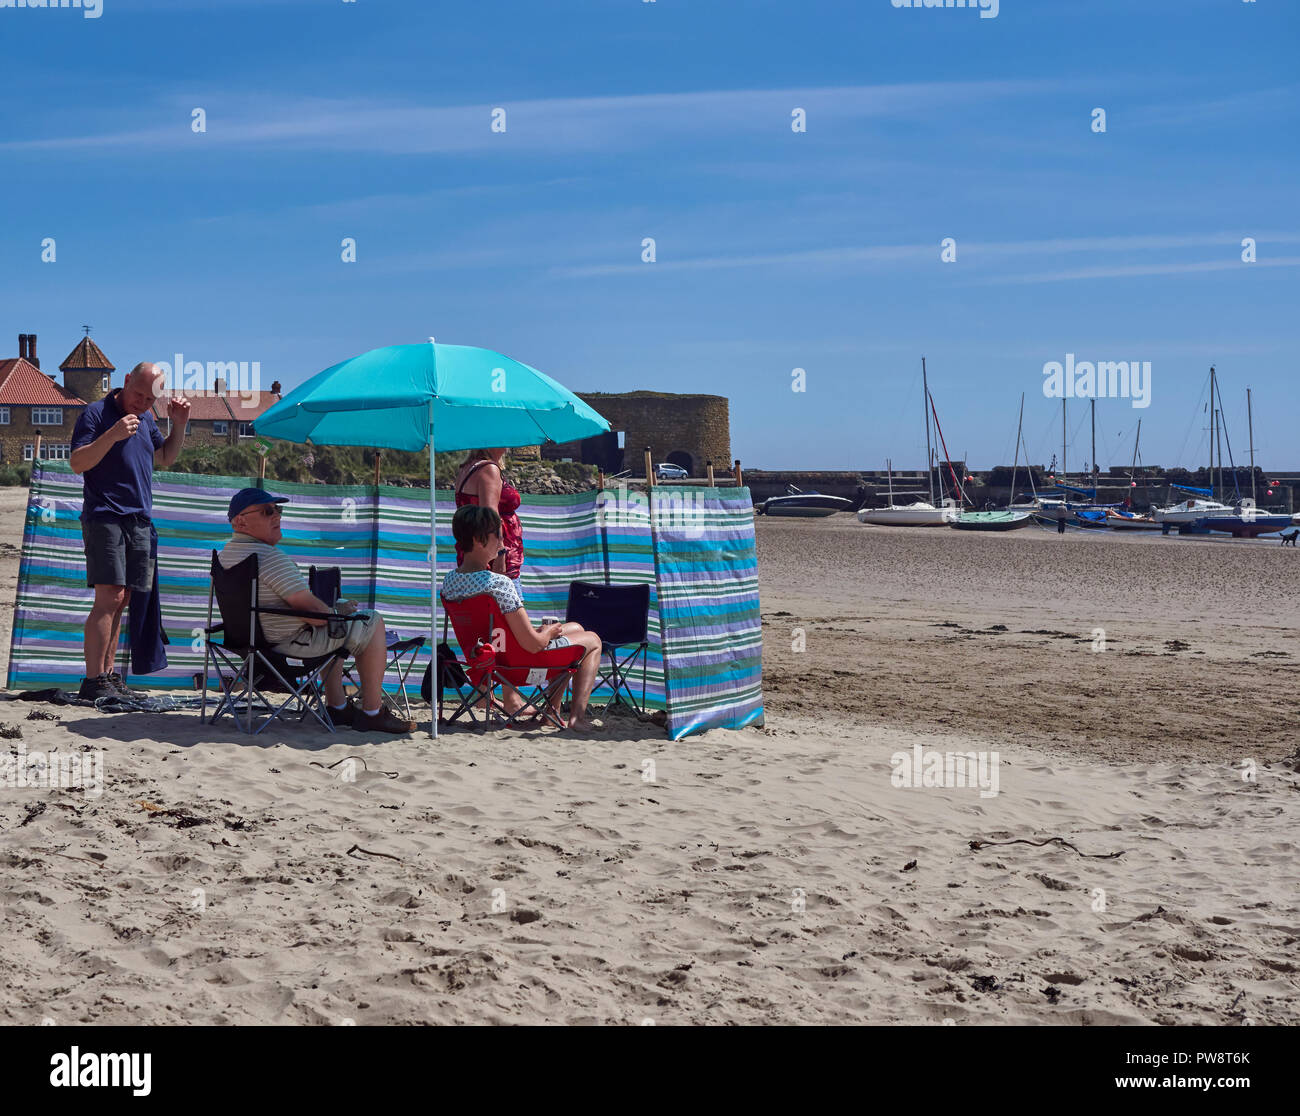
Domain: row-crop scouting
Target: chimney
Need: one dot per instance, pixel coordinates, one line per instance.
(31, 350)
(22, 346)
(275, 387)
(219, 386)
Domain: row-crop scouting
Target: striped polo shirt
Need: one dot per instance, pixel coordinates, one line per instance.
(278, 578)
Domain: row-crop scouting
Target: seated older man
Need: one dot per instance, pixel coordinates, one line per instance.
(254, 516)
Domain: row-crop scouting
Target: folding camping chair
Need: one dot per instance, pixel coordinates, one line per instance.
(620, 615)
(326, 582)
(494, 658)
(255, 664)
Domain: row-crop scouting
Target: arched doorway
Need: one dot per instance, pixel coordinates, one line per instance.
(682, 458)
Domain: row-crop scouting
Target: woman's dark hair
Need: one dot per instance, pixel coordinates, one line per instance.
(473, 524)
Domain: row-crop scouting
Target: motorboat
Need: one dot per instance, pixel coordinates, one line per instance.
(806, 505)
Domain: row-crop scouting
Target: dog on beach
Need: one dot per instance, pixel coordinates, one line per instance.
(1289, 537)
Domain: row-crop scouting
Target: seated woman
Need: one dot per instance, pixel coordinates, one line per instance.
(477, 531)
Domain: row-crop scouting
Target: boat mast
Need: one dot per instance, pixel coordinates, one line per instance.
(1250, 429)
(1232, 460)
(925, 406)
(1011, 499)
(1213, 439)
(1093, 476)
(1133, 468)
(1065, 469)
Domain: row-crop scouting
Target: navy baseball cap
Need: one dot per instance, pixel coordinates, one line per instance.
(247, 498)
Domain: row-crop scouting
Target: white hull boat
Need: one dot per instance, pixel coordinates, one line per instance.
(1129, 521)
(1189, 512)
(919, 514)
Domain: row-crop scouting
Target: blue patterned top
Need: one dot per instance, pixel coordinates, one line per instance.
(457, 586)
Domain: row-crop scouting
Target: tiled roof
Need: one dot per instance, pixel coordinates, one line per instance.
(22, 384)
(87, 355)
(224, 408)
(203, 408)
(251, 405)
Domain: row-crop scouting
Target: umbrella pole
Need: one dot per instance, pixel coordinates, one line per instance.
(436, 675)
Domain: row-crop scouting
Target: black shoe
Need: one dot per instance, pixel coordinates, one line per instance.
(119, 684)
(383, 721)
(342, 718)
(92, 689)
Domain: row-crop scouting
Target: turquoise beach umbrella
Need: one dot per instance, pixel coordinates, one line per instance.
(401, 396)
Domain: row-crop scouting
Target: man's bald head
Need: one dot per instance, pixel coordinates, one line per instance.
(146, 373)
(144, 384)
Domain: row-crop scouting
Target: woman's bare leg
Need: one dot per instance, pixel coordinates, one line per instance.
(585, 681)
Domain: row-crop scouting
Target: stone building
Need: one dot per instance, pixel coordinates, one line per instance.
(685, 430)
(219, 417)
(32, 401)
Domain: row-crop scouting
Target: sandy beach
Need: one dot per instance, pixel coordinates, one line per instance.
(1139, 694)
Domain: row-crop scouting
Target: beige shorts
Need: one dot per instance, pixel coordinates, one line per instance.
(354, 634)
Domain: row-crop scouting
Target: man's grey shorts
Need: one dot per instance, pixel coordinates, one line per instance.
(118, 552)
(311, 642)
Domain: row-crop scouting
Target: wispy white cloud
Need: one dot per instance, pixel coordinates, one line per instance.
(367, 204)
(554, 125)
(971, 252)
(1200, 112)
(1133, 271)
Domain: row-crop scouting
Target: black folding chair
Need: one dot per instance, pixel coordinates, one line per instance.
(620, 615)
(240, 646)
(326, 582)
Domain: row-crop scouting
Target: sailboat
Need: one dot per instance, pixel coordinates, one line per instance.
(1125, 519)
(1202, 513)
(919, 514)
(1085, 513)
(1003, 519)
(922, 513)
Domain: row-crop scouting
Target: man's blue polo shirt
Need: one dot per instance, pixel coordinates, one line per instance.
(122, 482)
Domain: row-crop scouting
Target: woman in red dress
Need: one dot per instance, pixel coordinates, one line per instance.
(481, 480)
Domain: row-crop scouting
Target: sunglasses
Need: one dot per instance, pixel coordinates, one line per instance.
(271, 509)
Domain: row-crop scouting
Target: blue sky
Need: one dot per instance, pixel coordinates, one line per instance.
(775, 250)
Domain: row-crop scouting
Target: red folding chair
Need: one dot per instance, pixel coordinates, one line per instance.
(493, 657)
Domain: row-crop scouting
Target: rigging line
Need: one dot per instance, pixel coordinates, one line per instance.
(1044, 435)
(956, 483)
(907, 402)
(1236, 487)
(1205, 385)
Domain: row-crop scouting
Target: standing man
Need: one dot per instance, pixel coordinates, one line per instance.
(115, 445)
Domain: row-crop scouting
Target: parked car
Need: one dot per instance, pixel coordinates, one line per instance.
(666, 471)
